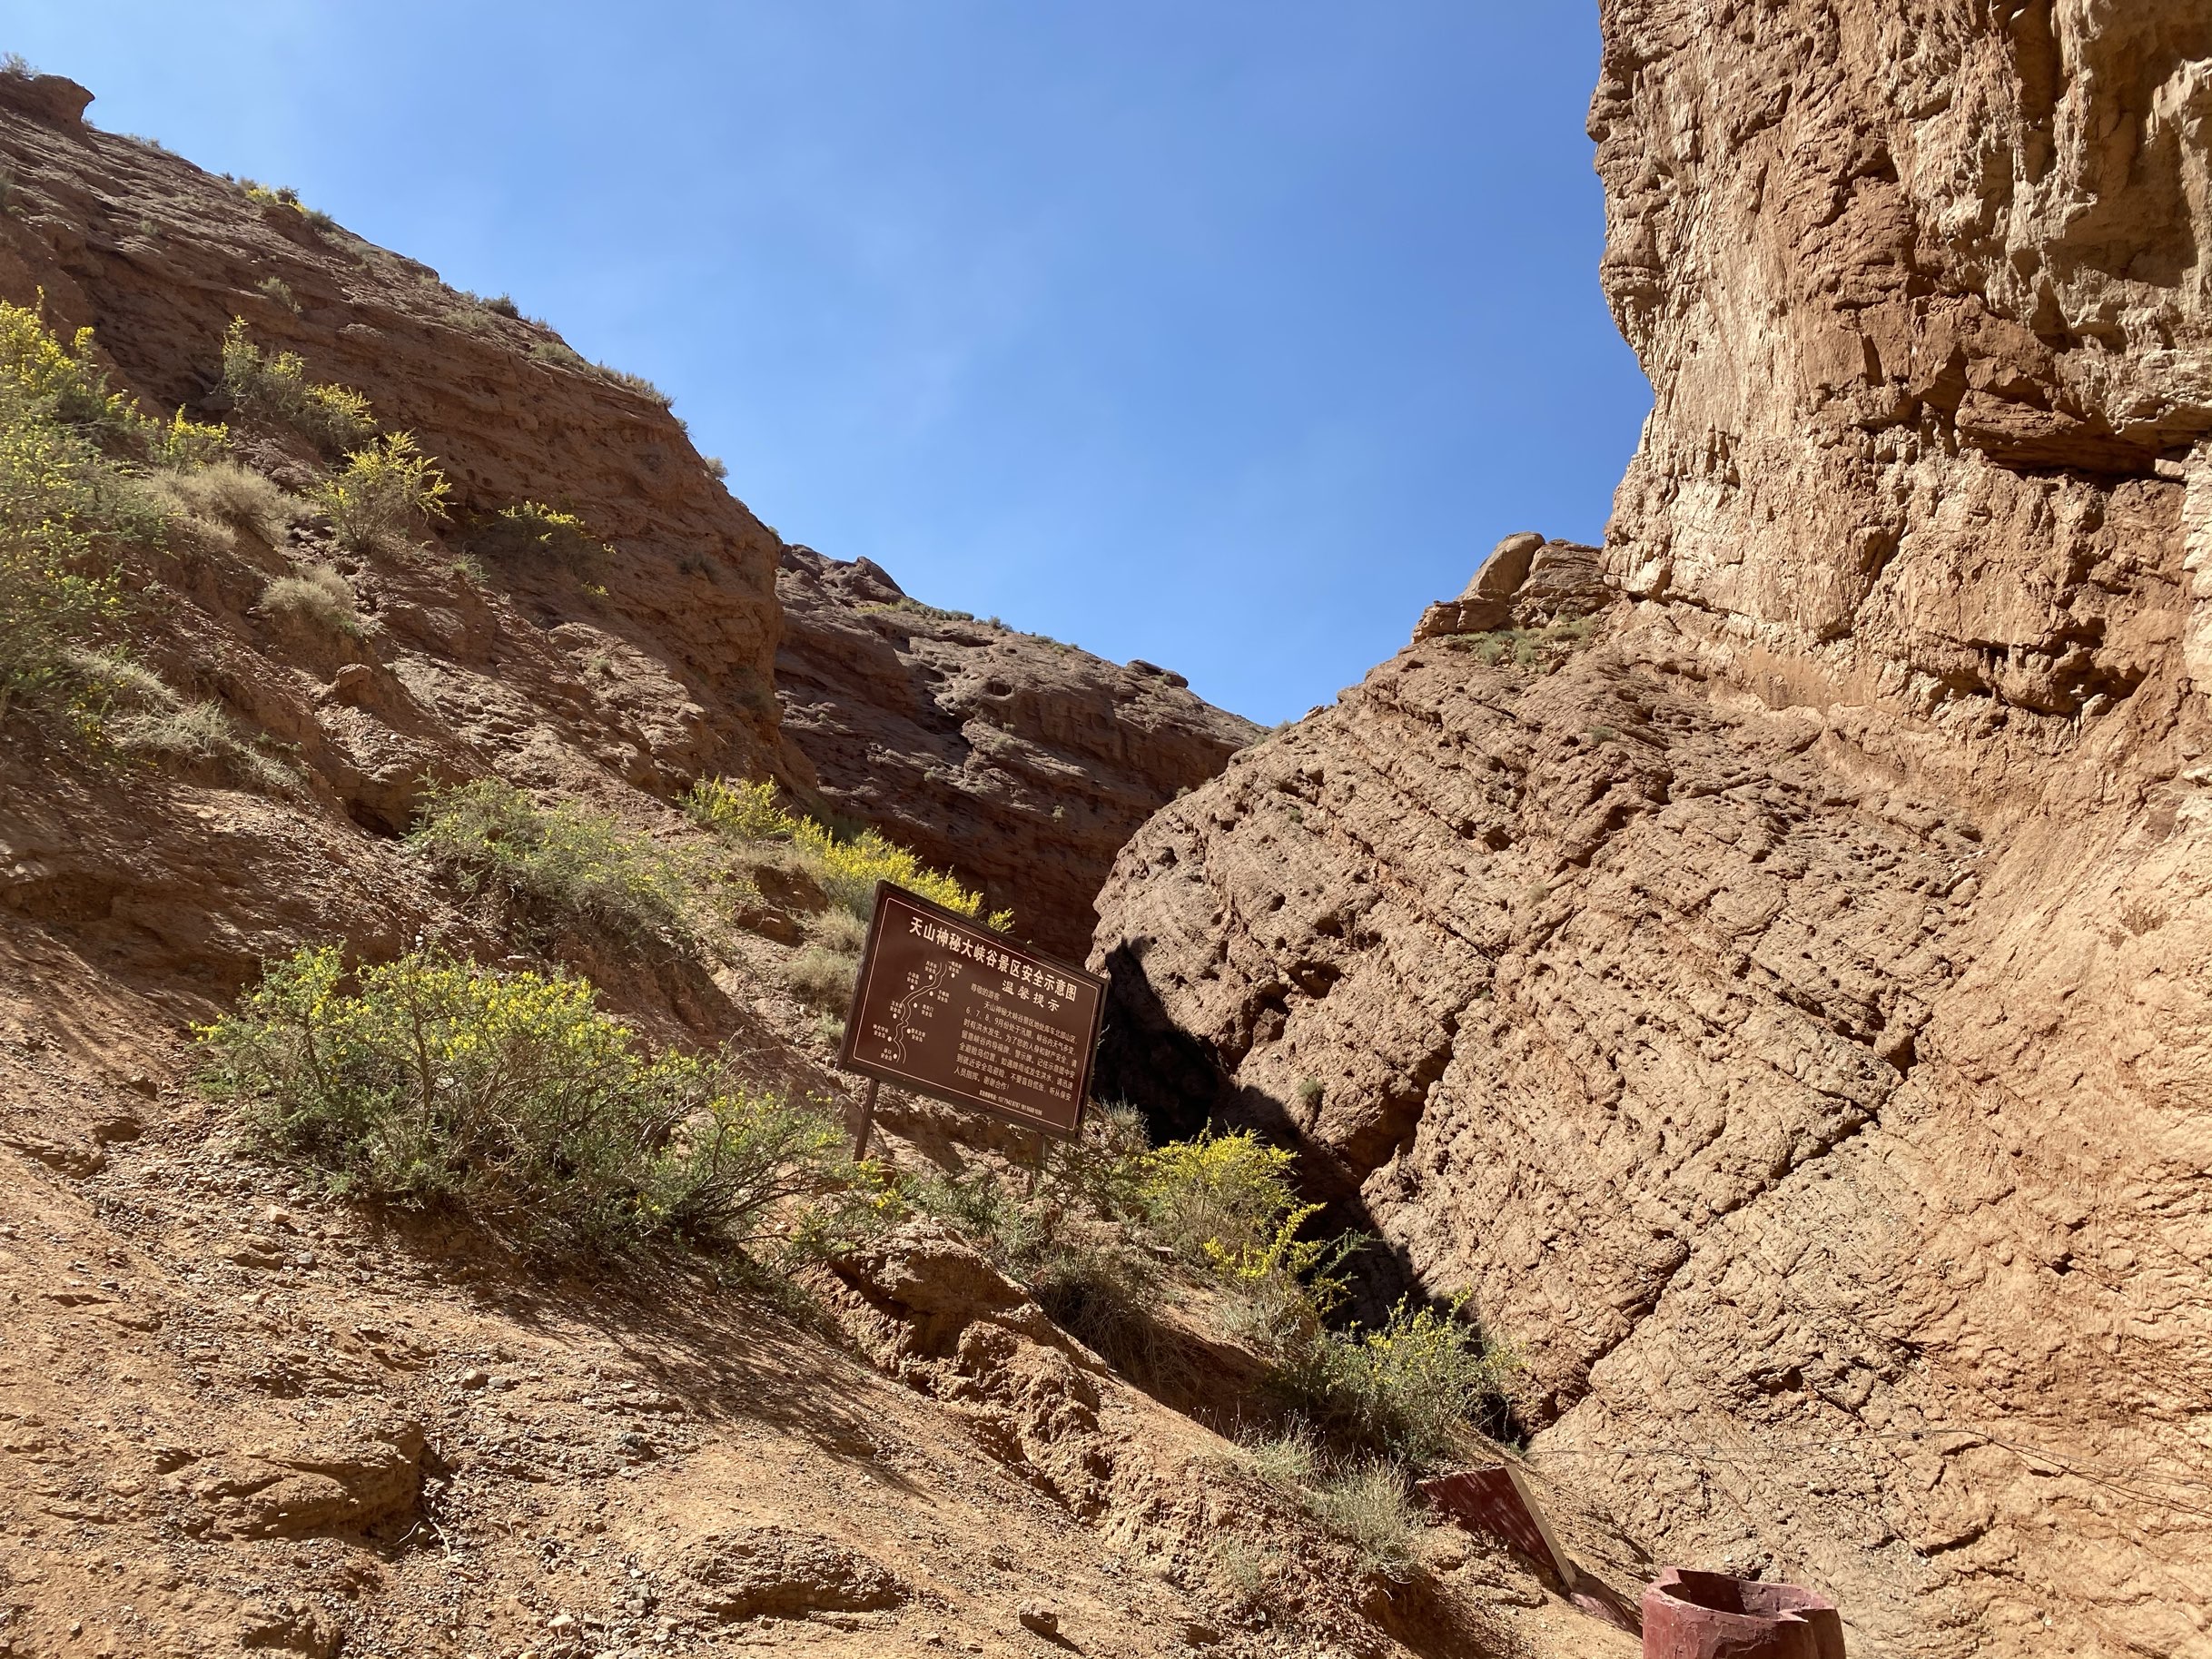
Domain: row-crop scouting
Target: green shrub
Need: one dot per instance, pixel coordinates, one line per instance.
(383, 494)
(277, 289)
(838, 929)
(822, 978)
(318, 594)
(533, 530)
(635, 383)
(434, 1083)
(69, 509)
(228, 498)
(60, 379)
(563, 861)
(1412, 1387)
(1290, 1462)
(332, 417)
(58, 589)
(557, 353)
(846, 867)
(1528, 647)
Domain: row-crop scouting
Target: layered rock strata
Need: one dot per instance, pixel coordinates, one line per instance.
(1016, 762)
(1786, 1010)
(159, 256)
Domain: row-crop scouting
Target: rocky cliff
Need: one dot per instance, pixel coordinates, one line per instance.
(1781, 998)
(238, 1414)
(1017, 761)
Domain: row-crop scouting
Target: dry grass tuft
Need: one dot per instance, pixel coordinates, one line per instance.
(229, 498)
(822, 978)
(321, 595)
(204, 733)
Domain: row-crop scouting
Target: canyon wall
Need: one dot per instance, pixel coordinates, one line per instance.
(1786, 1007)
(1018, 762)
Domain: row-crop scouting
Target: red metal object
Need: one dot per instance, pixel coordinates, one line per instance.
(1491, 1500)
(1690, 1614)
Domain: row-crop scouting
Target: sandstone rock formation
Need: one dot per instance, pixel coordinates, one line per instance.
(1017, 761)
(239, 1412)
(1526, 583)
(1787, 1011)
(159, 256)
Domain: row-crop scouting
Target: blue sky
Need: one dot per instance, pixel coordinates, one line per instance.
(1223, 334)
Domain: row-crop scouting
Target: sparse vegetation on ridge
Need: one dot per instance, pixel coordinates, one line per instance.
(847, 867)
(1537, 647)
(331, 417)
(432, 1081)
(560, 862)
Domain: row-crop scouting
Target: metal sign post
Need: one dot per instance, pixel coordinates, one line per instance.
(947, 1008)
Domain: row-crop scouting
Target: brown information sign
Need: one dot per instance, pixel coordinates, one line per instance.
(948, 1008)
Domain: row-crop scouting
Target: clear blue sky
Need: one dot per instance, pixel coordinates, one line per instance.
(1224, 334)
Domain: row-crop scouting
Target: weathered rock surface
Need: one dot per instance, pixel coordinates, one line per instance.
(1526, 583)
(159, 256)
(1788, 1012)
(1018, 762)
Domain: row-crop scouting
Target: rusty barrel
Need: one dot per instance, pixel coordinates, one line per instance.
(1690, 1614)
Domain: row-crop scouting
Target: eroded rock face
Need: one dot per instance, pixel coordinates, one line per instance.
(1017, 761)
(158, 256)
(1786, 1008)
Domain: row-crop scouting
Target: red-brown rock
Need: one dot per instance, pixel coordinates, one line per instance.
(1788, 1012)
(1017, 761)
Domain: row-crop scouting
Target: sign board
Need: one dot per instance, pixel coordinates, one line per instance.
(947, 1008)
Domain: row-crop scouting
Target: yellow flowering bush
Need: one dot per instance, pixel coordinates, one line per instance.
(382, 493)
(432, 1081)
(61, 381)
(533, 528)
(563, 861)
(333, 417)
(67, 507)
(847, 867)
(1411, 1385)
(741, 811)
(62, 375)
(56, 588)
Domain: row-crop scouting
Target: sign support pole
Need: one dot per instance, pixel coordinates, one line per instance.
(867, 1122)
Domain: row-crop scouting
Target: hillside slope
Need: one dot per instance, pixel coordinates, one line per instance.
(240, 1413)
(1786, 1008)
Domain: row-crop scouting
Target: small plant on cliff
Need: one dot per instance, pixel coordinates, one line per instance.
(318, 594)
(165, 728)
(1411, 1386)
(333, 417)
(433, 1082)
(1540, 648)
(533, 530)
(847, 867)
(561, 863)
(223, 498)
(383, 494)
(1366, 1504)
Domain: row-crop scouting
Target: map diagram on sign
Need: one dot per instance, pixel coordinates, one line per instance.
(926, 992)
